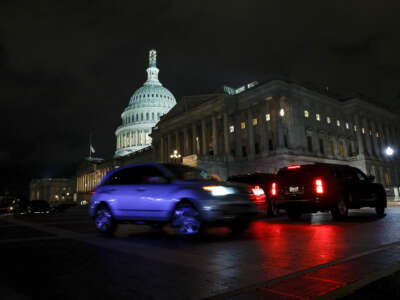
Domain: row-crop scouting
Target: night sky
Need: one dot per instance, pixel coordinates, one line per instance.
(67, 67)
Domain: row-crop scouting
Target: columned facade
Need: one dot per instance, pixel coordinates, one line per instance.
(277, 124)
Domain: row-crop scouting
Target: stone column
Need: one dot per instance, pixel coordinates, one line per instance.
(279, 125)
(360, 143)
(375, 140)
(169, 146)
(226, 134)
(204, 146)
(185, 141)
(177, 143)
(368, 145)
(250, 134)
(194, 140)
(161, 147)
(264, 128)
(214, 134)
(238, 140)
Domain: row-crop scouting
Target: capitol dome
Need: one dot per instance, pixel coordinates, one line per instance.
(144, 110)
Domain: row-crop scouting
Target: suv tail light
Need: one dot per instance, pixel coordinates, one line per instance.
(291, 167)
(274, 189)
(257, 194)
(319, 186)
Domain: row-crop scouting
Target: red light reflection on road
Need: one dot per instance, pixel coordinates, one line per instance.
(298, 246)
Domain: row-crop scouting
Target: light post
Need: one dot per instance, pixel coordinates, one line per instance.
(389, 153)
(175, 156)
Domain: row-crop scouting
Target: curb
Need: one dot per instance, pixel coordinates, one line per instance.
(353, 287)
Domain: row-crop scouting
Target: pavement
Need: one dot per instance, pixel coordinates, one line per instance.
(62, 257)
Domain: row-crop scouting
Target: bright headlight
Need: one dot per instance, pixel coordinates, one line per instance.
(219, 190)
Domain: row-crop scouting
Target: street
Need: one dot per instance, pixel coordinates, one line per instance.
(62, 257)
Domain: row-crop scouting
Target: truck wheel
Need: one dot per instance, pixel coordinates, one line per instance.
(341, 210)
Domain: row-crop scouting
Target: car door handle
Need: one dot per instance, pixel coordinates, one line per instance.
(141, 190)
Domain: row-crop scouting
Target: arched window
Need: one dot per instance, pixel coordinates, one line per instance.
(141, 116)
(137, 117)
(147, 116)
(152, 116)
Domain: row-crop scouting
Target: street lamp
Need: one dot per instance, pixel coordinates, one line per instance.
(175, 156)
(389, 151)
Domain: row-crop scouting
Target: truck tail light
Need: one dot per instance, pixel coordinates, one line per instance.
(274, 189)
(292, 167)
(319, 186)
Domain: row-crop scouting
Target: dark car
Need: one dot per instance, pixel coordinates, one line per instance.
(38, 207)
(327, 187)
(157, 194)
(18, 206)
(265, 201)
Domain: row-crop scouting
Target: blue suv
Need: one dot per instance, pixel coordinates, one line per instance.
(156, 194)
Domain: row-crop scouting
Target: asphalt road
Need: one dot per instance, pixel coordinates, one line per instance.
(62, 257)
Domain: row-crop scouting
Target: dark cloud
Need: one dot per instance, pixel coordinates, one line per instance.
(69, 67)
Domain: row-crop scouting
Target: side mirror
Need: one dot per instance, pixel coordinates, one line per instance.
(371, 178)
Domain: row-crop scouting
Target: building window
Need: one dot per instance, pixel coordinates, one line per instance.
(332, 146)
(341, 149)
(363, 130)
(370, 132)
(152, 116)
(321, 146)
(387, 179)
(347, 126)
(306, 114)
(285, 141)
(355, 128)
(338, 123)
(309, 143)
(255, 121)
(243, 125)
(257, 148)
(244, 151)
(147, 116)
(318, 117)
(328, 120)
(231, 129)
(282, 112)
(141, 116)
(377, 134)
(267, 117)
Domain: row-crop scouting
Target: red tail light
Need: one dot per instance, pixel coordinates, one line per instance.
(294, 167)
(274, 189)
(319, 186)
(257, 194)
(93, 192)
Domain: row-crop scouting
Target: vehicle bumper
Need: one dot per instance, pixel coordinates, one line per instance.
(305, 205)
(229, 212)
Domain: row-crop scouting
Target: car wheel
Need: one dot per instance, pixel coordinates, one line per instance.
(293, 214)
(104, 221)
(186, 220)
(341, 210)
(272, 210)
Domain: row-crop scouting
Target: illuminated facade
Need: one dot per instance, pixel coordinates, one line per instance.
(145, 108)
(264, 127)
(53, 190)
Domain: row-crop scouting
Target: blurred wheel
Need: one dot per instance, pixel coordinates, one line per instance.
(104, 221)
(341, 210)
(186, 220)
(272, 210)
